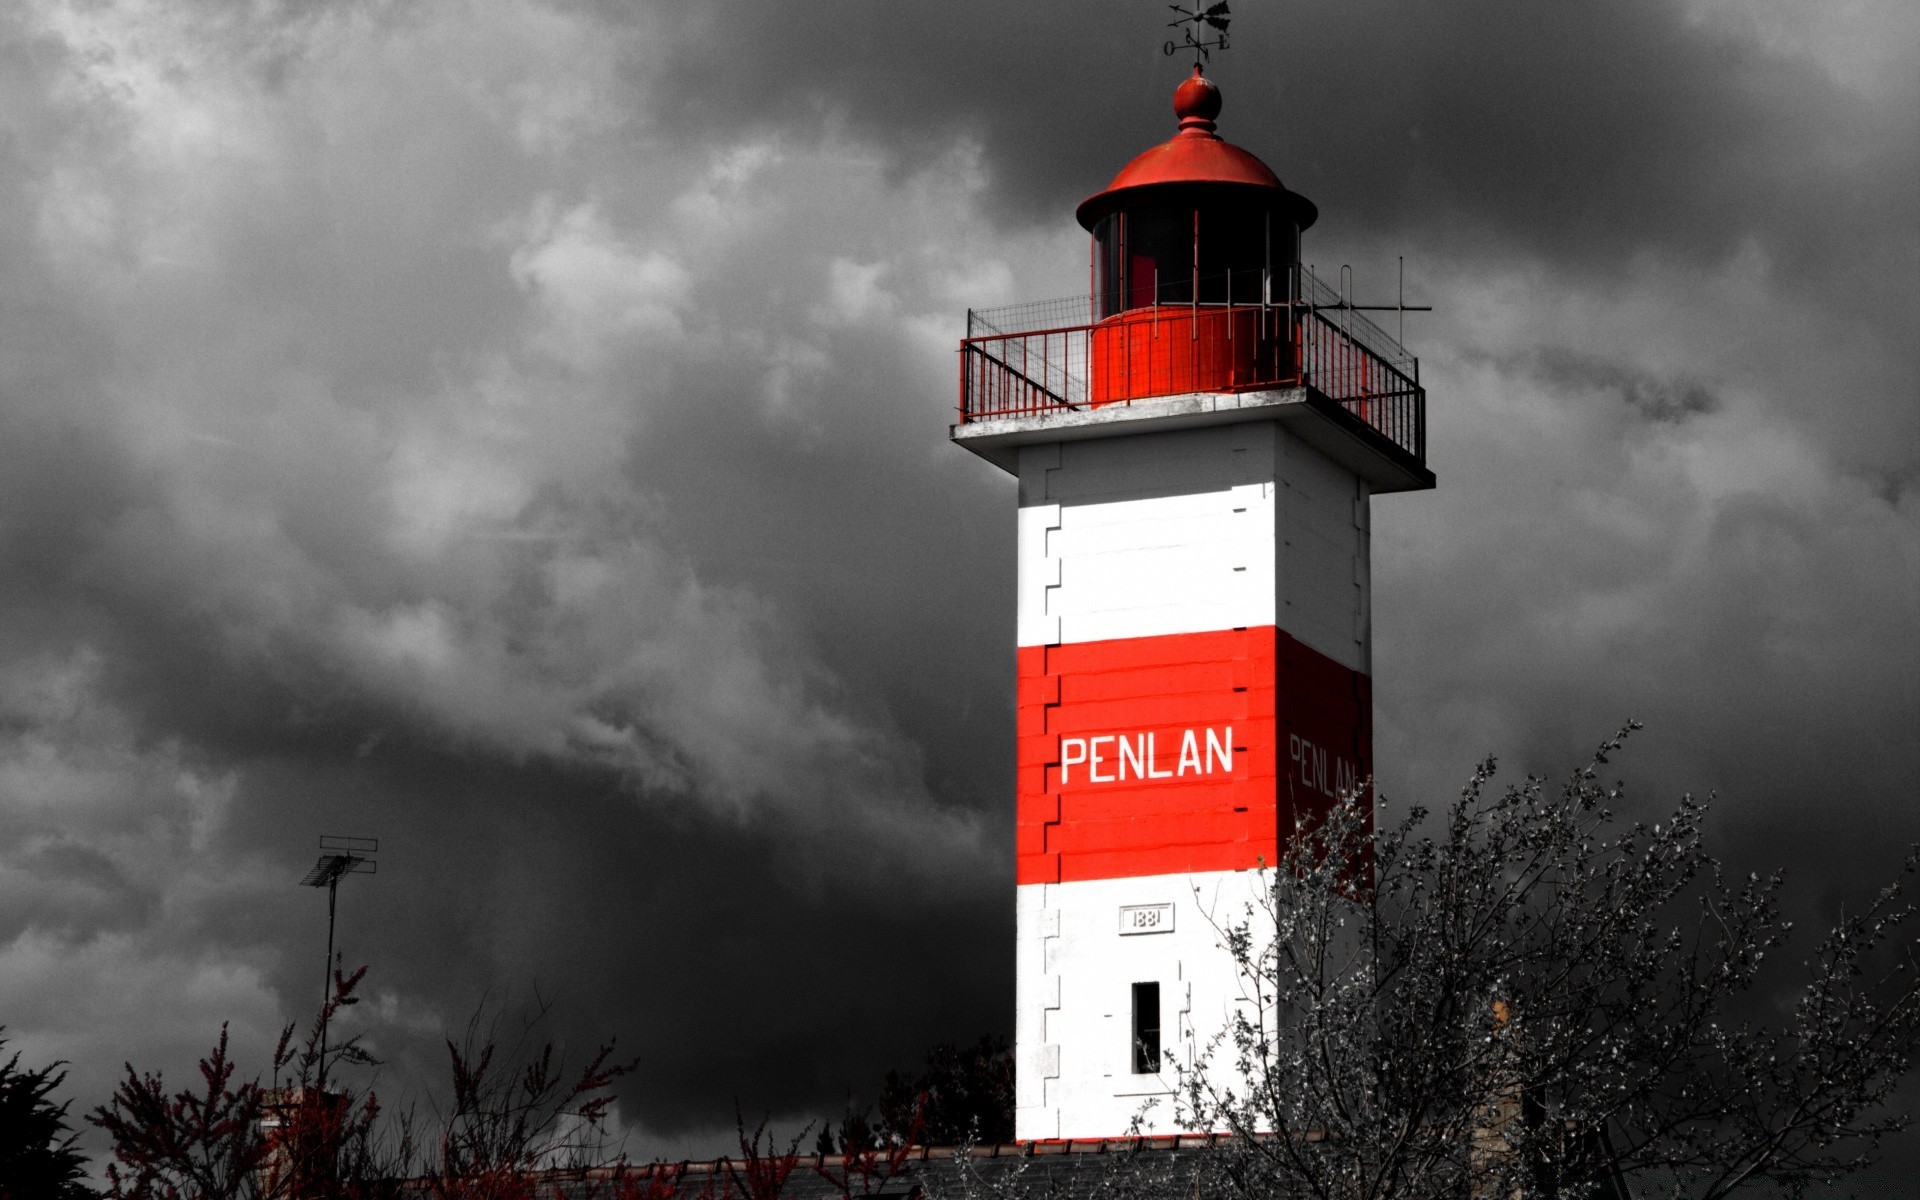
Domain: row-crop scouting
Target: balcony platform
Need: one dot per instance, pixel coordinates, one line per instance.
(1322, 423)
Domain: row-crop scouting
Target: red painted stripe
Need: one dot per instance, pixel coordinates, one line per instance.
(1301, 726)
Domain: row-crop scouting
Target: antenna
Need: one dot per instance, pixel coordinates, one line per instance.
(339, 857)
(1201, 19)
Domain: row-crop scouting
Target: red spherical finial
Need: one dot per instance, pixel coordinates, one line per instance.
(1197, 102)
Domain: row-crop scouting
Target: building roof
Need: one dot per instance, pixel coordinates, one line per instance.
(1196, 157)
(1065, 1170)
(1091, 1169)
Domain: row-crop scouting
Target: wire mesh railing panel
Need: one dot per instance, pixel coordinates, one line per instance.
(1030, 316)
(1019, 375)
(1326, 300)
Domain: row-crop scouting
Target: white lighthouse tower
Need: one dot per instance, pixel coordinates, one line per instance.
(1197, 444)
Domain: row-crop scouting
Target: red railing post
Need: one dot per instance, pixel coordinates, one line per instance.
(965, 370)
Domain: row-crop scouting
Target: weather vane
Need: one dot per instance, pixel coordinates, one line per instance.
(1200, 19)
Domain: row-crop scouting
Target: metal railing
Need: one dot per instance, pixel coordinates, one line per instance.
(1054, 356)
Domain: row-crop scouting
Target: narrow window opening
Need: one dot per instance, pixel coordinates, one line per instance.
(1146, 1029)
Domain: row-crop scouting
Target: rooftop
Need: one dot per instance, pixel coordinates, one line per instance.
(1195, 156)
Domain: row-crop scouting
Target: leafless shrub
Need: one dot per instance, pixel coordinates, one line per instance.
(1522, 995)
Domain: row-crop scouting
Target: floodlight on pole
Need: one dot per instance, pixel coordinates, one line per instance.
(339, 857)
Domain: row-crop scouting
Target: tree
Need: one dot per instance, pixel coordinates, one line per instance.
(38, 1160)
(963, 1094)
(1521, 996)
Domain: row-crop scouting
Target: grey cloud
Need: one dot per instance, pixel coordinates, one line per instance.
(1649, 394)
(75, 891)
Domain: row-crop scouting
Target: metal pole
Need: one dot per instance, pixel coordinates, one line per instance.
(326, 991)
(1346, 299)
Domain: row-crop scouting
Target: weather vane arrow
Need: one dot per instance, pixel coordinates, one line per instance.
(1211, 18)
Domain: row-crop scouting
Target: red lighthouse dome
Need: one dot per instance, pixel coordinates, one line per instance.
(1196, 159)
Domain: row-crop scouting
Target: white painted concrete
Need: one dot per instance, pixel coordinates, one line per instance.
(1194, 530)
(1142, 568)
(1077, 969)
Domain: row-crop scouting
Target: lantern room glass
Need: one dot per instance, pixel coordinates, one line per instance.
(1214, 254)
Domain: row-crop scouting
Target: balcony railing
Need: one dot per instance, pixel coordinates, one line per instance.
(1054, 356)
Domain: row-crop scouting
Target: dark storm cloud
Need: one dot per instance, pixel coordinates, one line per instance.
(1650, 395)
(317, 432)
(1585, 132)
(515, 430)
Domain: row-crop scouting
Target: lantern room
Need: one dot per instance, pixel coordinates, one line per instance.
(1194, 237)
(1195, 218)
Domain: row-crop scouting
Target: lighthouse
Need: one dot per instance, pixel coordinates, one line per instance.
(1197, 441)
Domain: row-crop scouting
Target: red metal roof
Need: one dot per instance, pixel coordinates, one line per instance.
(1194, 156)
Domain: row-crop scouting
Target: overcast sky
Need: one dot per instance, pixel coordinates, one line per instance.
(517, 431)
